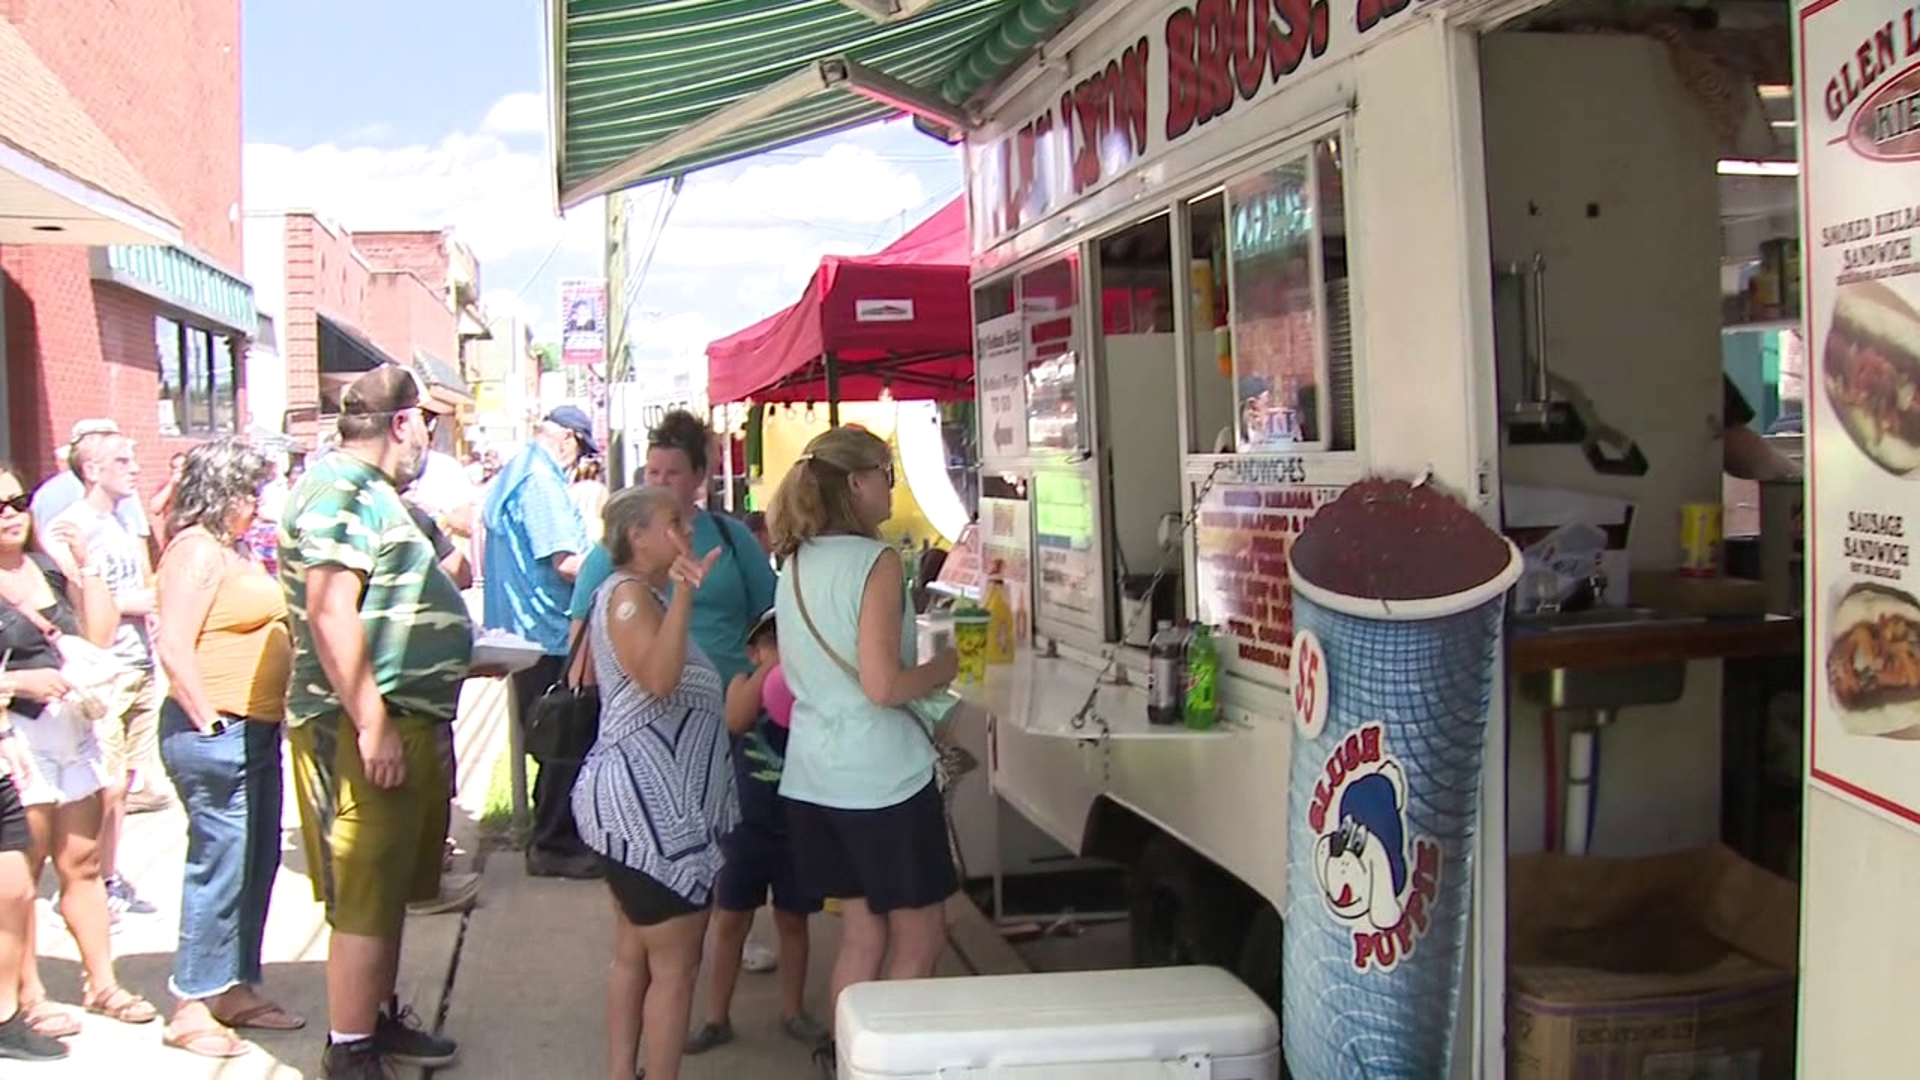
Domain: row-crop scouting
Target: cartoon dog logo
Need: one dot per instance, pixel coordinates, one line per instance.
(1362, 861)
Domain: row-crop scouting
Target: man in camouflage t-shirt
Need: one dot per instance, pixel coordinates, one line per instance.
(382, 642)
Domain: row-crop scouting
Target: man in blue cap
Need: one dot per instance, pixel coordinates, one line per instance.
(536, 542)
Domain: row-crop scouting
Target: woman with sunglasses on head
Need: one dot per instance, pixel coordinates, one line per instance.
(59, 778)
(227, 651)
(864, 814)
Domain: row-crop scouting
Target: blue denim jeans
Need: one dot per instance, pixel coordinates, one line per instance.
(230, 784)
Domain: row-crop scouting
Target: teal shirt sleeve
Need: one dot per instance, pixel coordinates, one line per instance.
(595, 569)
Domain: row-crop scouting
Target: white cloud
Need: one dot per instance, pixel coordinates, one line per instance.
(740, 242)
(524, 113)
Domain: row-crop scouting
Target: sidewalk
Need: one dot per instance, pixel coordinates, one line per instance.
(153, 850)
(521, 978)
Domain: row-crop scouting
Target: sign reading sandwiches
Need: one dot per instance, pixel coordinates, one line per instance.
(1859, 109)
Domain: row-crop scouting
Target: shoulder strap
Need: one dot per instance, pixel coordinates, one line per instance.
(721, 522)
(800, 602)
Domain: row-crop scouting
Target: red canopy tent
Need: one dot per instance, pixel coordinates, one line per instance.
(898, 320)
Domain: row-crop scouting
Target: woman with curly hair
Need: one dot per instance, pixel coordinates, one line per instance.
(226, 648)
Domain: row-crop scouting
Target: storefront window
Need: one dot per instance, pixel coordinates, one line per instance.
(1049, 300)
(199, 380)
(225, 393)
(166, 340)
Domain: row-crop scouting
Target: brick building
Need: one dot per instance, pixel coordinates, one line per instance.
(344, 302)
(121, 287)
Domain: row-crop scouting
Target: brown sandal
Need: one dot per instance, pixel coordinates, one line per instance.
(48, 1019)
(207, 1042)
(122, 1004)
(266, 1016)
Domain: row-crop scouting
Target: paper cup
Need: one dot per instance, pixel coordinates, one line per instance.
(1391, 710)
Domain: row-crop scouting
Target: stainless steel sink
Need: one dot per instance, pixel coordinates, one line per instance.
(1606, 689)
(1561, 622)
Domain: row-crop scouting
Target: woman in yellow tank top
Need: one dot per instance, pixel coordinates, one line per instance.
(224, 643)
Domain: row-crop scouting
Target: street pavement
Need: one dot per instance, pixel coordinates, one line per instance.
(519, 982)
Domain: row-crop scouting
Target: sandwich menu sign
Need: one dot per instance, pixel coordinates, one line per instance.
(1860, 136)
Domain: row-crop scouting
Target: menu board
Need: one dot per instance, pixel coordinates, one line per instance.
(1859, 91)
(1069, 589)
(1000, 367)
(1241, 542)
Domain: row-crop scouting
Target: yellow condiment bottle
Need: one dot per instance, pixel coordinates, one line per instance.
(999, 623)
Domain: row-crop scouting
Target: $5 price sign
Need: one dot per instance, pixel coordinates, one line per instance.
(1309, 684)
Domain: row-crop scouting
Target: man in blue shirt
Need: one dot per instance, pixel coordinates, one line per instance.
(536, 543)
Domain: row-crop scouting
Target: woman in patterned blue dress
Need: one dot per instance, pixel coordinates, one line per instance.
(656, 793)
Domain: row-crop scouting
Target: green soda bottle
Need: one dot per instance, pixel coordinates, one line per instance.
(1202, 710)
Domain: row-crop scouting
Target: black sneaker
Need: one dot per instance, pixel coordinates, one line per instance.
(357, 1060)
(404, 1040)
(826, 1060)
(20, 1042)
(554, 864)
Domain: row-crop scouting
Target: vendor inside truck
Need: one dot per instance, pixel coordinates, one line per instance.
(1747, 455)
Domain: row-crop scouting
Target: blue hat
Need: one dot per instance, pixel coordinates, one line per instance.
(575, 419)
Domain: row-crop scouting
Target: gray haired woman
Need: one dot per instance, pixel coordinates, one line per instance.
(225, 646)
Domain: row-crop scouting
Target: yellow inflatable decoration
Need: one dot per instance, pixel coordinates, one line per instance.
(786, 432)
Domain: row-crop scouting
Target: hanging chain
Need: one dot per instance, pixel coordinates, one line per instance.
(1088, 713)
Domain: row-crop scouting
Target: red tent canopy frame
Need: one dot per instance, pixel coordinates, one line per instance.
(899, 320)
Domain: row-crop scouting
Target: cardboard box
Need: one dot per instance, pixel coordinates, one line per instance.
(1679, 967)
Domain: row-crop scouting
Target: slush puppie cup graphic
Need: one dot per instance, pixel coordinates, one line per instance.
(1399, 592)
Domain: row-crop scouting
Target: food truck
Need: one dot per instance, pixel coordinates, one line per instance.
(1232, 258)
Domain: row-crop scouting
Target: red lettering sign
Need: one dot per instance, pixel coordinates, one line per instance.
(1222, 50)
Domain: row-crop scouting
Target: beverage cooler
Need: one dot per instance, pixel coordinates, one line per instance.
(1194, 1023)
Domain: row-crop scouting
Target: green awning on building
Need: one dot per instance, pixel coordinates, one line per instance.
(181, 280)
(627, 75)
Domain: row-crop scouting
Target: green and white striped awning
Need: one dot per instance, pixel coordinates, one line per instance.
(627, 75)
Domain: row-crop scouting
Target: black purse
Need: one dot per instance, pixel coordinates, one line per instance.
(564, 721)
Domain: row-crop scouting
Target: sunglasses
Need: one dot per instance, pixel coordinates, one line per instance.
(18, 504)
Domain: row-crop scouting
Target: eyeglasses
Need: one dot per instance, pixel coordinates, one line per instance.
(887, 471)
(18, 504)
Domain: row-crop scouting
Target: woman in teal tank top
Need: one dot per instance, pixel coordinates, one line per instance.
(864, 816)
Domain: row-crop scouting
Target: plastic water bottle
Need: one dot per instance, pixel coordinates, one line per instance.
(1166, 679)
(1202, 710)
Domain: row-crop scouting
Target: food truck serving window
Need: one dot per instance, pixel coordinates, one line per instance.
(1282, 326)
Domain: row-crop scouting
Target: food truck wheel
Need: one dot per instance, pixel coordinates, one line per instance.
(1182, 910)
(1259, 965)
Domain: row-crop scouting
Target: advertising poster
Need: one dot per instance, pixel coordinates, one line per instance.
(583, 321)
(1005, 527)
(1860, 131)
(1241, 543)
(1000, 366)
(1065, 528)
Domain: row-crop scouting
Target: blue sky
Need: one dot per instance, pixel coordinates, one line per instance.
(424, 113)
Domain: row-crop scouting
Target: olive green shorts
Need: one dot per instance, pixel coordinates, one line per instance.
(370, 850)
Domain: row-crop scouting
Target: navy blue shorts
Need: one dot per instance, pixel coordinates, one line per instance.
(894, 858)
(758, 862)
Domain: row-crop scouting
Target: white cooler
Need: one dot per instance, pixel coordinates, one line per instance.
(1192, 1023)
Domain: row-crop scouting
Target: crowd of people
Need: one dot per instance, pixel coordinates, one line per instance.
(756, 739)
